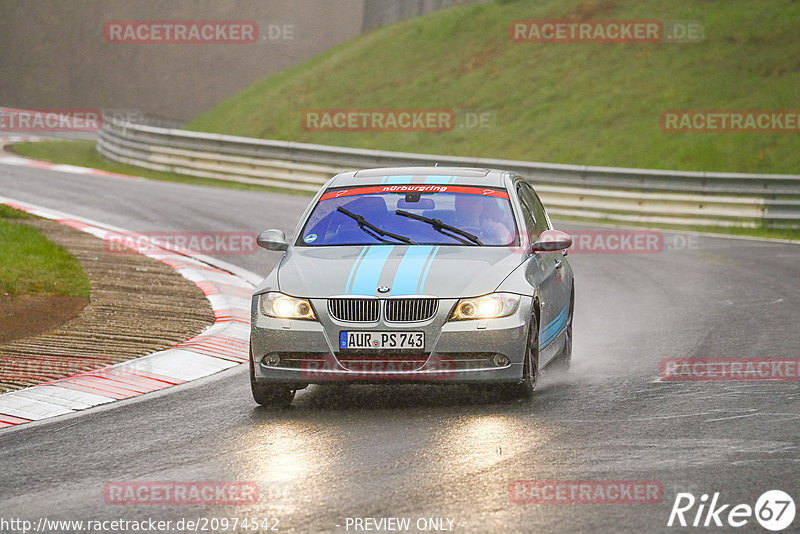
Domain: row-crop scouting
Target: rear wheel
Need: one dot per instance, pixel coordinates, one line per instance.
(563, 361)
(270, 395)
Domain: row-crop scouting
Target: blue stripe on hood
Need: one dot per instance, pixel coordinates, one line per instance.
(367, 273)
(408, 278)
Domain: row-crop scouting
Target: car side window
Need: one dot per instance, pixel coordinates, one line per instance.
(541, 218)
(533, 210)
(527, 213)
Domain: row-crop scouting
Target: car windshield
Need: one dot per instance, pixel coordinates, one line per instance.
(412, 214)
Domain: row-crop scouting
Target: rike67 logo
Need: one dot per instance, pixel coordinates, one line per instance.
(774, 510)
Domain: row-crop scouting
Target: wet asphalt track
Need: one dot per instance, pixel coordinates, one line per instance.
(444, 452)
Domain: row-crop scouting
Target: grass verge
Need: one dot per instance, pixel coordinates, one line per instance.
(30, 264)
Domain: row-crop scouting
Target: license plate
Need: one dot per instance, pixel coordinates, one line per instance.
(381, 340)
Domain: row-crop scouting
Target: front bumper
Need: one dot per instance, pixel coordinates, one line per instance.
(476, 351)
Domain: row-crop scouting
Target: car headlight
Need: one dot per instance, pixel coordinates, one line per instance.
(285, 307)
(486, 307)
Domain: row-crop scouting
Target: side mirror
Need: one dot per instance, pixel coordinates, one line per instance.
(272, 240)
(551, 241)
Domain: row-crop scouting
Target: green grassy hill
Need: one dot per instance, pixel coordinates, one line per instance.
(582, 103)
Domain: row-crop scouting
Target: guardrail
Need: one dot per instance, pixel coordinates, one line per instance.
(632, 195)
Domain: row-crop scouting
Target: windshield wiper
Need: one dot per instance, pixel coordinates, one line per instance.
(439, 226)
(368, 227)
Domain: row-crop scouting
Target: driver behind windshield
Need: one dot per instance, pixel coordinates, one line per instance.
(481, 216)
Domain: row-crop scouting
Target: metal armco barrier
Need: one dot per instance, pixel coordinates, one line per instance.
(615, 194)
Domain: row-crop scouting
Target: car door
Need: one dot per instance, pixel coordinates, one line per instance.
(545, 270)
(563, 281)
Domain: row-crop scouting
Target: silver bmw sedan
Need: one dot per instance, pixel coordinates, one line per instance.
(423, 274)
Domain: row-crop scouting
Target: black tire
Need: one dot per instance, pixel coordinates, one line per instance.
(269, 395)
(530, 369)
(563, 361)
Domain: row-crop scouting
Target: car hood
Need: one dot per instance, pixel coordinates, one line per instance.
(441, 271)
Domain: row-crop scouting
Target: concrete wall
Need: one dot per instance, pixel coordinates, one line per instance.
(54, 54)
(379, 13)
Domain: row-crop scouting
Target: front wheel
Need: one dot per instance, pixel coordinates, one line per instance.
(530, 368)
(270, 395)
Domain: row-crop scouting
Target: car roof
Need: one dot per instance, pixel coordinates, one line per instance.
(422, 175)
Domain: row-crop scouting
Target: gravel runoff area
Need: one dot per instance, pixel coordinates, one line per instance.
(138, 306)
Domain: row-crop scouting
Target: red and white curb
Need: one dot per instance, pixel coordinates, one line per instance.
(223, 345)
(10, 159)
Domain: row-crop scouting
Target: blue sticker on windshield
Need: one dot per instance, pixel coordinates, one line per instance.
(310, 238)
